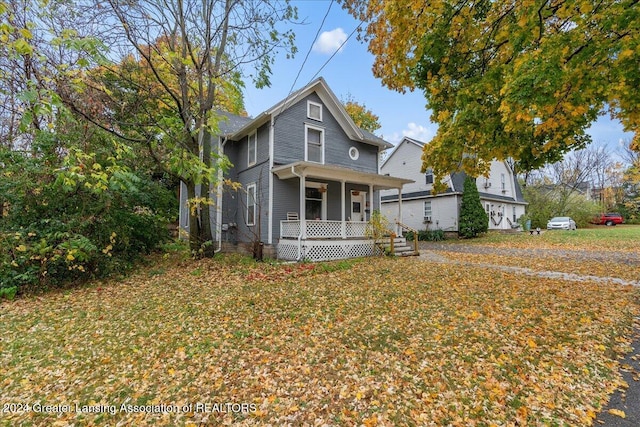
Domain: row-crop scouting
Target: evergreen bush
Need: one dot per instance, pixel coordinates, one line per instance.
(473, 218)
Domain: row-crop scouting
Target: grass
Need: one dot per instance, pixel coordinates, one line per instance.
(363, 342)
(621, 237)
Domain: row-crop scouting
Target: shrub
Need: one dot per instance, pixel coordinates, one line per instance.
(427, 235)
(473, 218)
(544, 204)
(8, 293)
(64, 226)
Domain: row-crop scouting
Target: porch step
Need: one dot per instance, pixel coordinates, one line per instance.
(400, 247)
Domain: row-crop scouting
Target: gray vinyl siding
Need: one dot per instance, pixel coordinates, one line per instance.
(287, 199)
(289, 131)
(235, 202)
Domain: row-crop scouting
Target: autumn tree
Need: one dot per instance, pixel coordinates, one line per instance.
(72, 208)
(361, 115)
(592, 172)
(630, 206)
(505, 79)
(181, 56)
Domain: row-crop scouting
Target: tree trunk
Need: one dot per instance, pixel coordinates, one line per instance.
(207, 243)
(194, 223)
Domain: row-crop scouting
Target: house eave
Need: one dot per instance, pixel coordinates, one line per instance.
(260, 120)
(333, 173)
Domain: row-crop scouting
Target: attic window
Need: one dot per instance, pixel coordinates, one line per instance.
(314, 111)
(354, 153)
(429, 177)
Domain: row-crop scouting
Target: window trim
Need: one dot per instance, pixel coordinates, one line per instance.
(427, 174)
(315, 104)
(253, 135)
(323, 195)
(251, 204)
(306, 143)
(424, 210)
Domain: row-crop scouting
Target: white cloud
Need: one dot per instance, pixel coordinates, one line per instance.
(418, 132)
(330, 41)
(415, 131)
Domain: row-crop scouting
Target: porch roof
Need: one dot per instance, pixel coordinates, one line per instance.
(338, 173)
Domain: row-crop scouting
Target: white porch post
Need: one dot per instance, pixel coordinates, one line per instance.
(399, 210)
(303, 211)
(370, 203)
(343, 195)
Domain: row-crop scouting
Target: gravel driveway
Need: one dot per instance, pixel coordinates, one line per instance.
(435, 251)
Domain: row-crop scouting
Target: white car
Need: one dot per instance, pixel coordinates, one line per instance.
(561, 223)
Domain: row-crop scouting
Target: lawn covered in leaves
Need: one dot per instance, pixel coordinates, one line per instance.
(371, 342)
(624, 238)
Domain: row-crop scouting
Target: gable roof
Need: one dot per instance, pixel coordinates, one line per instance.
(399, 144)
(328, 98)
(230, 123)
(456, 178)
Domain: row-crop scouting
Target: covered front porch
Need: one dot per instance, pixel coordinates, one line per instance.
(331, 219)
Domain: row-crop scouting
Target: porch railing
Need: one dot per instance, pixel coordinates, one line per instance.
(318, 229)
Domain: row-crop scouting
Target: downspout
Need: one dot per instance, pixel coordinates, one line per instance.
(219, 202)
(294, 173)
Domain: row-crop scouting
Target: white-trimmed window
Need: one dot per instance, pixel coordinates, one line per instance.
(251, 204)
(314, 111)
(252, 148)
(427, 210)
(428, 177)
(314, 144)
(503, 182)
(315, 200)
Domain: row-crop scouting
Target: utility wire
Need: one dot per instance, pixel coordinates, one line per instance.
(305, 58)
(337, 50)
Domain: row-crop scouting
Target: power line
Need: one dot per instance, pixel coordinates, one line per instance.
(337, 50)
(306, 57)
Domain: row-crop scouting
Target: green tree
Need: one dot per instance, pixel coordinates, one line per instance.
(361, 115)
(506, 79)
(547, 201)
(182, 59)
(473, 218)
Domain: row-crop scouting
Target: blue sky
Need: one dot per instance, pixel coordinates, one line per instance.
(349, 73)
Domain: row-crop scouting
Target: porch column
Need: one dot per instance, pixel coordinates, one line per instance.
(370, 203)
(303, 210)
(343, 195)
(398, 231)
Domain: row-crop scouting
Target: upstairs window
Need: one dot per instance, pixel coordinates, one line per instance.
(314, 144)
(314, 111)
(428, 177)
(503, 186)
(252, 148)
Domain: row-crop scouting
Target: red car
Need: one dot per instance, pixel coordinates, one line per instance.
(609, 219)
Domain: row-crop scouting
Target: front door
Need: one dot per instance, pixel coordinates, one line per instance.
(358, 200)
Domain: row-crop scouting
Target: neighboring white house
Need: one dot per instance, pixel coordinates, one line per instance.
(500, 194)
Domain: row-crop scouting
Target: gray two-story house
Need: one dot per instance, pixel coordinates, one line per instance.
(310, 179)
